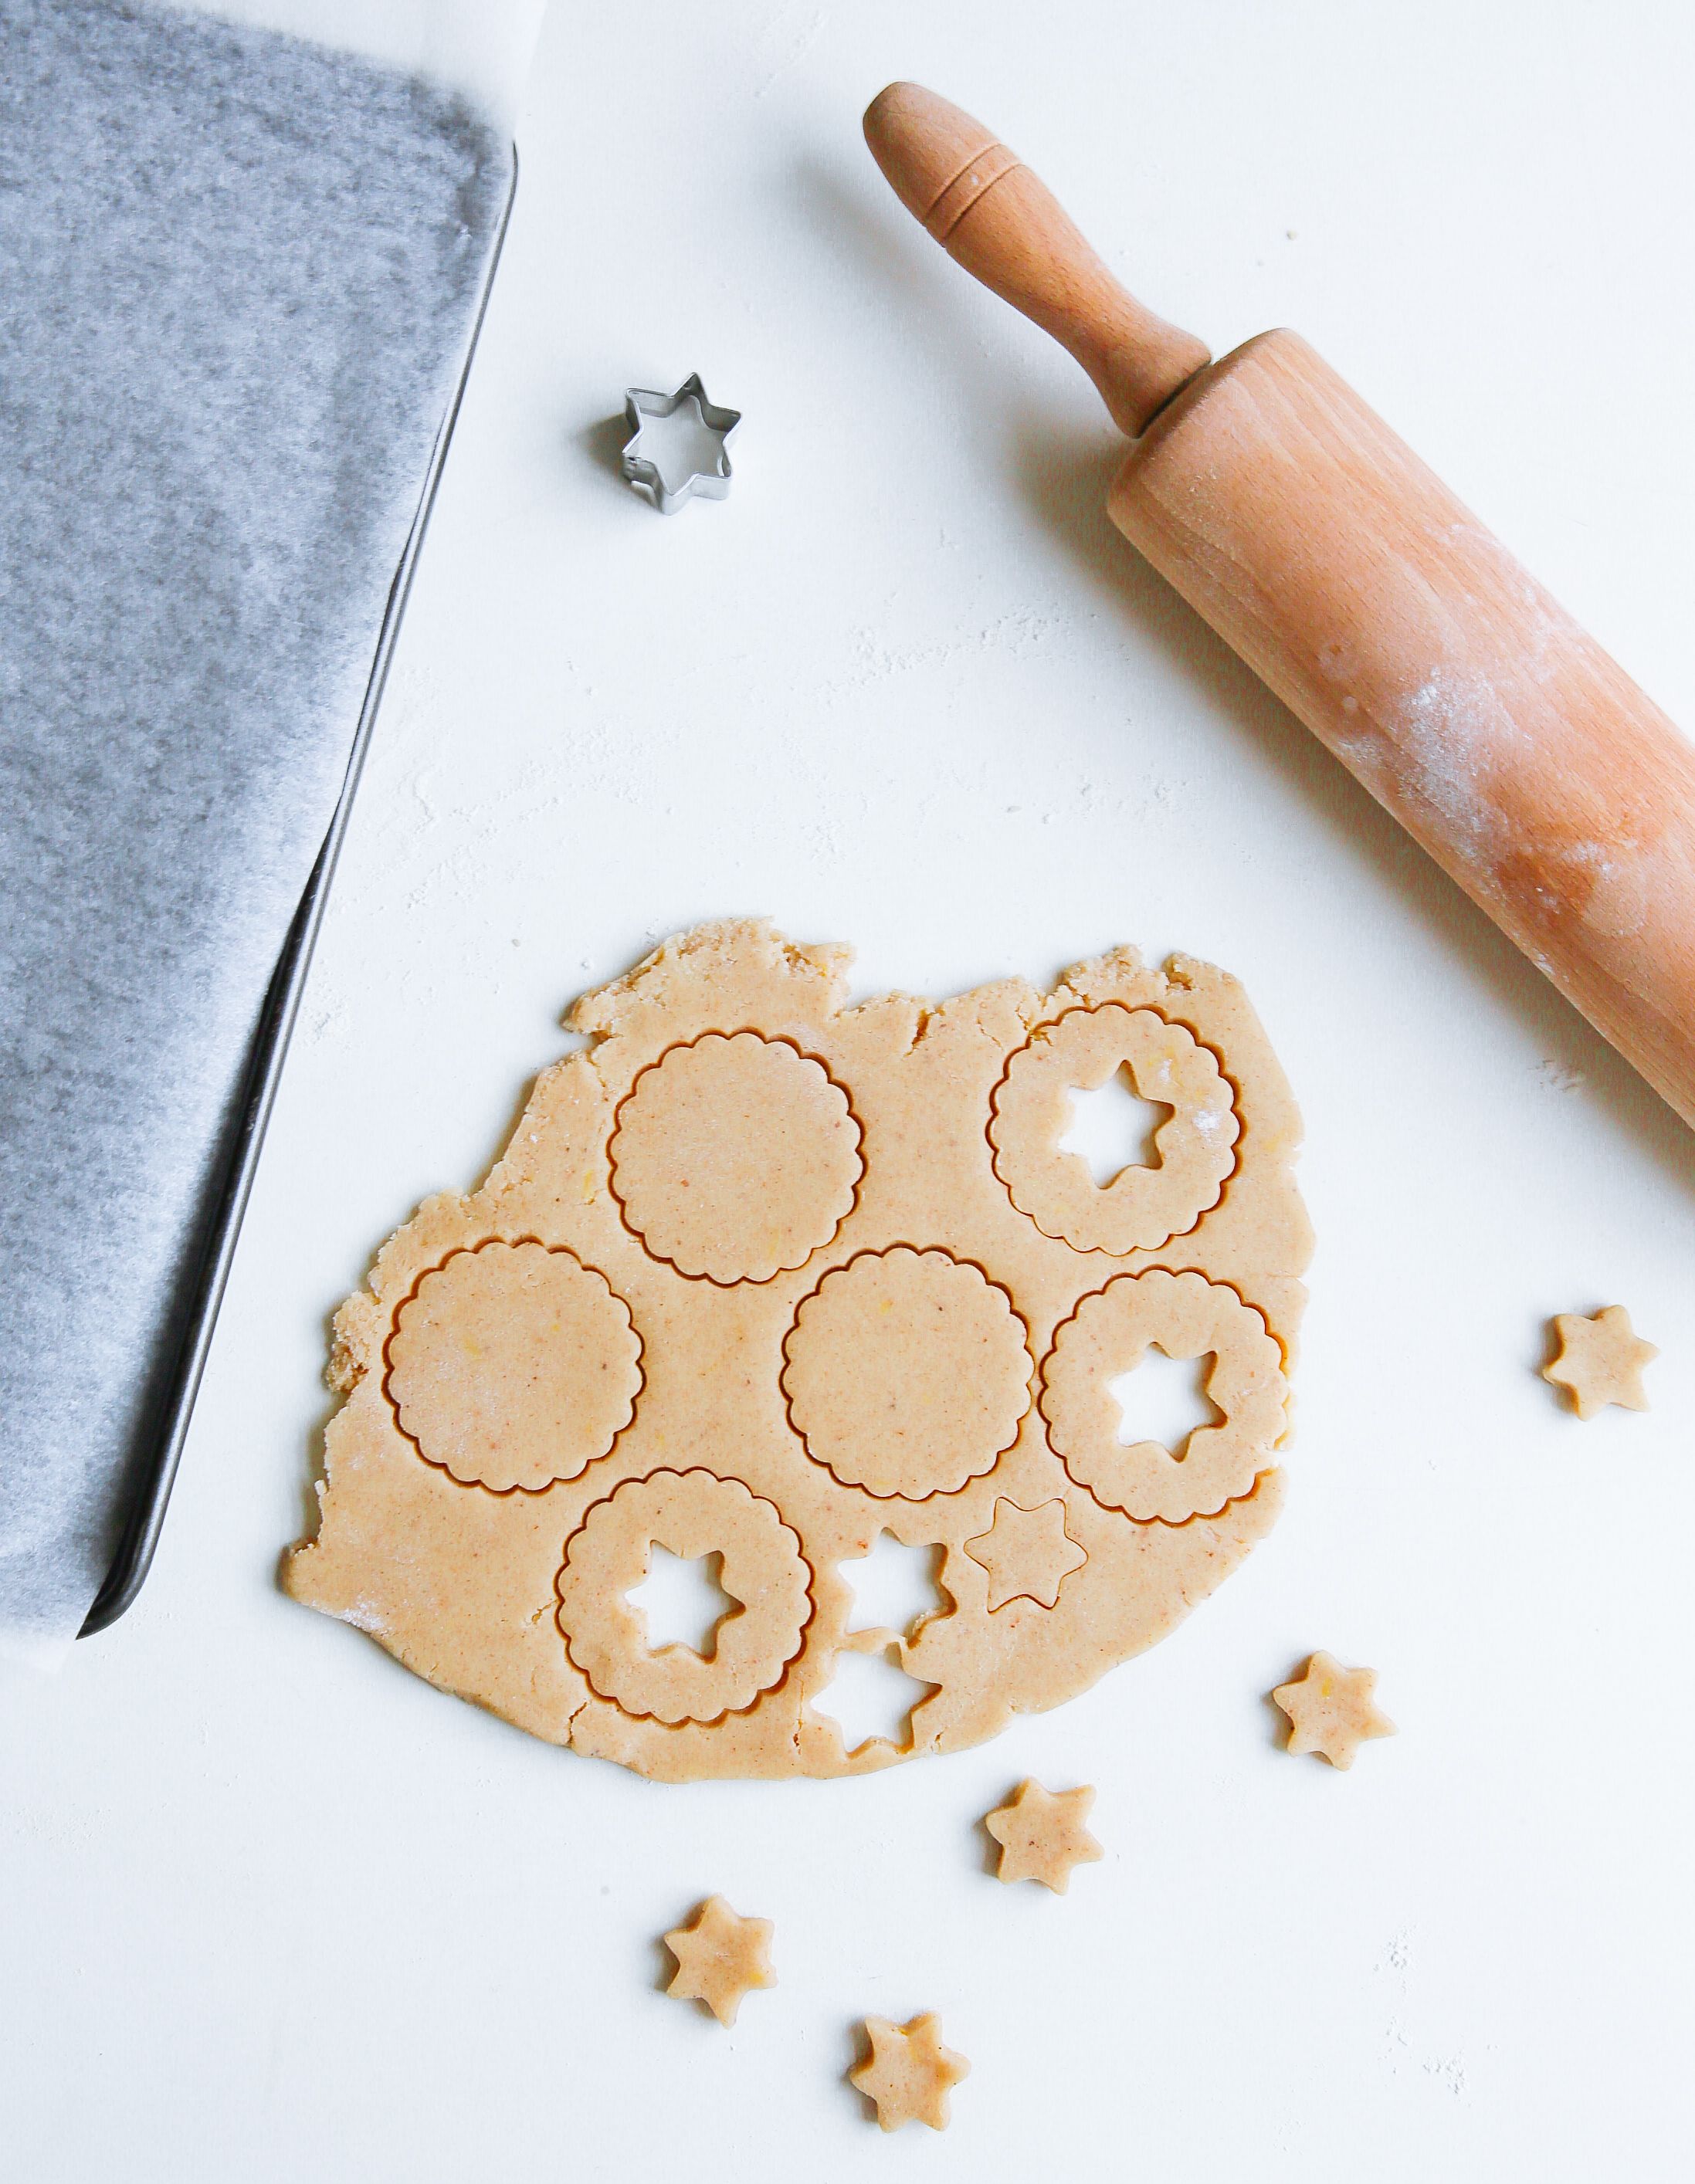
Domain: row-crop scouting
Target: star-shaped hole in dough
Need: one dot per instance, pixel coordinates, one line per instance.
(1028, 1553)
(909, 2071)
(1042, 1836)
(1331, 1710)
(871, 1700)
(896, 1587)
(720, 1957)
(1600, 1361)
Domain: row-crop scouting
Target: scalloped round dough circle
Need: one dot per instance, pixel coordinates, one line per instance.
(907, 1372)
(1142, 1207)
(512, 1365)
(691, 1512)
(735, 1158)
(1187, 1317)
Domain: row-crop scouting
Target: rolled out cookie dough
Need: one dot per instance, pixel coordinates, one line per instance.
(761, 1275)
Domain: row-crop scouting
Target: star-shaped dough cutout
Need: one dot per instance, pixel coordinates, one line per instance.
(1600, 1361)
(1028, 1553)
(909, 2071)
(1042, 1836)
(720, 1957)
(1332, 1711)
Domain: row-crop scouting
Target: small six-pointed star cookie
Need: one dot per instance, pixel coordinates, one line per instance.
(1042, 1836)
(1600, 1361)
(720, 1957)
(1332, 1711)
(1028, 1553)
(908, 2071)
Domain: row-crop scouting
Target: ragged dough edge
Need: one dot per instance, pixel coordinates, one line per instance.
(695, 955)
(726, 976)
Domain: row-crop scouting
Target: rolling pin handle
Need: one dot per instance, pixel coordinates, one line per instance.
(990, 213)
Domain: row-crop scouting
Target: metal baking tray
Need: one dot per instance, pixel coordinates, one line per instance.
(180, 1357)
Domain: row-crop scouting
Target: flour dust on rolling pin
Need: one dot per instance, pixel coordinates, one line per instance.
(1370, 599)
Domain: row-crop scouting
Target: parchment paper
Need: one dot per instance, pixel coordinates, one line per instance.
(480, 48)
(239, 275)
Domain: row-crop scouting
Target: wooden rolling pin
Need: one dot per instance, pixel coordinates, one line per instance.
(1376, 606)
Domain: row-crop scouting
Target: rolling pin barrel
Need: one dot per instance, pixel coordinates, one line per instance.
(1375, 606)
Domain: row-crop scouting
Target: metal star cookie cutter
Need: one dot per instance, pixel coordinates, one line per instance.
(643, 406)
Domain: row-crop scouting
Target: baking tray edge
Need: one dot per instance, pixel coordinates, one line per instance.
(244, 1136)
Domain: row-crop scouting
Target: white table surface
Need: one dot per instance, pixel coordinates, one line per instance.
(274, 1908)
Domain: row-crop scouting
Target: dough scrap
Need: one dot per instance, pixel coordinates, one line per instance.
(1332, 1711)
(716, 1205)
(908, 2073)
(1600, 1361)
(1042, 1835)
(720, 1958)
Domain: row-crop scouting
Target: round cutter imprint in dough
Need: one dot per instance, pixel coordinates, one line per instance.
(1187, 1317)
(735, 1158)
(512, 1365)
(908, 1373)
(1142, 1207)
(691, 1513)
